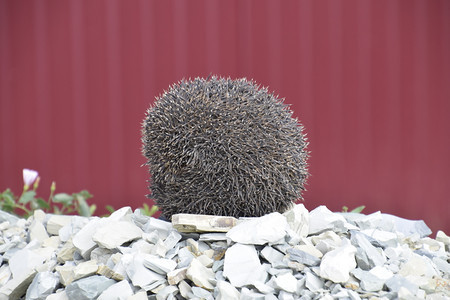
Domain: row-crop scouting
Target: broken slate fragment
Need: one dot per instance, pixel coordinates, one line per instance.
(118, 291)
(202, 223)
(303, 257)
(337, 264)
(88, 288)
(270, 229)
(322, 219)
(115, 233)
(200, 275)
(43, 284)
(298, 219)
(242, 265)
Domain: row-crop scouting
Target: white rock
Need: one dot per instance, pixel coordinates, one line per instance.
(56, 222)
(322, 219)
(374, 279)
(166, 292)
(17, 286)
(271, 255)
(115, 233)
(43, 284)
(38, 232)
(386, 238)
(337, 264)
(85, 269)
(159, 265)
(226, 291)
(172, 239)
(175, 276)
(247, 294)
(185, 289)
(326, 241)
(286, 282)
(298, 219)
(23, 262)
(202, 223)
(66, 252)
(303, 257)
(270, 229)
(88, 288)
(242, 265)
(122, 214)
(139, 296)
(418, 266)
(83, 241)
(312, 282)
(201, 293)
(163, 228)
(406, 227)
(367, 255)
(200, 275)
(58, 296)
(139, 274)
(118, 291)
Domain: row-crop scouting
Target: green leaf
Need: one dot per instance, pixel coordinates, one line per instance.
(27, 197)
(83, 207)
(358, 209)
(9, 199)
(110, 209)
(92, 208)
(344, 209)
(63, 198)
(42, 204)
(153, 210)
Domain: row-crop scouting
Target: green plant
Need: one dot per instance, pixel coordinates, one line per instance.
(355, 210)
(223, 147)
(60, 203)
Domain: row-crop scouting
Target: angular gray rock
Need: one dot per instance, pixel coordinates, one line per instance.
(268, 229)
(88, 288)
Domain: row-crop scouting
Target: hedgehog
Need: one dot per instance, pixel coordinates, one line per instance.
(218, 146)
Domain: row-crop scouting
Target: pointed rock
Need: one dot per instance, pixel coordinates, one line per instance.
(270, 229)
(202, 223)
(242, 265)
(115, 233)
(200, 275)
(88, 288)
(298, 219)
(118, 291)
(43, 284)
(337, 264)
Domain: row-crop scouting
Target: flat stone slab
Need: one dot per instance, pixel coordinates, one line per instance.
(202, 223)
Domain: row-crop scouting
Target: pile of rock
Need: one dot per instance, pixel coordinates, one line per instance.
(295, 255)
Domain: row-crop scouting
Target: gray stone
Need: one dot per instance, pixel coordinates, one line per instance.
(83, 241)
(37, 231)
(397, 281)
(56, 222)
(270, 229)
(271, 255)
(303, 257)
(200, 275)
(407, 227)
(159, 265)
(23, 262)
(373, 280)
(312, 282)
(214, 236)
(247, 294)
(184, 258)
(202, 223)
(298, 219)
(224, 291)
(337, 264)
(202, 293)
(118, 291)
(115, 233)
(88, 288)
(163, 228)
(367, 256)
(43, 284)
(172, 239)
(286, 282)
(322, 219)
(140, 275)
(242, 265)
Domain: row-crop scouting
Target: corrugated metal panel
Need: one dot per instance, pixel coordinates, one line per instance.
(369, 80)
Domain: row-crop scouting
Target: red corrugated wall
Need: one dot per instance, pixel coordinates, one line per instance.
(370, 80)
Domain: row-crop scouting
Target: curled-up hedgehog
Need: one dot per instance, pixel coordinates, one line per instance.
(227, 147)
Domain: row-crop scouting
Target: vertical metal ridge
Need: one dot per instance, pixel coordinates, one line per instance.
(80, 97)
(115, 99)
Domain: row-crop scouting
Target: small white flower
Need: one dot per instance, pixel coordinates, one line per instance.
(29, 176)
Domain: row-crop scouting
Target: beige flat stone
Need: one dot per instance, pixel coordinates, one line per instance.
(202, 223)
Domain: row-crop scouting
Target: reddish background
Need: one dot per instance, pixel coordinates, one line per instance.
(370, 80)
